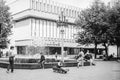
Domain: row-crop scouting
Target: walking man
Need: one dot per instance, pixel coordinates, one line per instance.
(11, 59)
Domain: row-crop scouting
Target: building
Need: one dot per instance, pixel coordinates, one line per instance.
(36, 25)
(113, 2)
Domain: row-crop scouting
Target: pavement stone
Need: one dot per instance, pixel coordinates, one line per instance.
(104, 70)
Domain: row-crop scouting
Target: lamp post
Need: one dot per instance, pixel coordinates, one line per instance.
(62, 22)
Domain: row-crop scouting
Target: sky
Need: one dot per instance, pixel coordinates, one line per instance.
(77, 3)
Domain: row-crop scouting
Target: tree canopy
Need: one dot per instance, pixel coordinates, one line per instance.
(114, 21)
(5, 24)
(94, 23)
(100, 24)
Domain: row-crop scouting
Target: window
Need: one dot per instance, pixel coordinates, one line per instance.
(75, 14)
(35, 31)
(45, 28)
(33, 4)
(36, 5)
(42, 28)
(21, 49)
(49, 29)
(48, 7)
(58, 10)
(66, 12)
(43, 6)
(70, 12)
(40, 6)
(52, 29)
(55, 9)
(51, 8)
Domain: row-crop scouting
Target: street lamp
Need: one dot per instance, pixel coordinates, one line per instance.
(62, 22)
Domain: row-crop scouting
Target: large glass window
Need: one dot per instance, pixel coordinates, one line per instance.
(58, 10)
(43, 6)
(40, 6)
(33, 4)
(66, 12)
(36, 5)
(51, 8)
(21, 50)
(70, 12)
(55, 9)
(42, 28)
(49, 29)
(48, 7)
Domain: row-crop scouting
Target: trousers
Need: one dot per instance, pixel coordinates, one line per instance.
(11, 64)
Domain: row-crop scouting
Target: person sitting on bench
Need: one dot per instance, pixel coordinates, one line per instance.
(59, 65)
(88, 57)
(42, 60)
(80, 59)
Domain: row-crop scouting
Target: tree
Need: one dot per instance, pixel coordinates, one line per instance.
(5, 24)
(94, 25)
(114, 21)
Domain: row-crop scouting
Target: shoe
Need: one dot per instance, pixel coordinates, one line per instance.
(7, 71)
(93, 64)
(11, 71)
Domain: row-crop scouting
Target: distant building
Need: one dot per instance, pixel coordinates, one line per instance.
(36, 25)
(113, 2)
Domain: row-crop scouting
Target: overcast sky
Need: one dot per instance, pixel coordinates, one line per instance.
(78, 3)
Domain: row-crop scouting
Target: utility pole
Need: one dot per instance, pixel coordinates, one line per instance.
(62, 22)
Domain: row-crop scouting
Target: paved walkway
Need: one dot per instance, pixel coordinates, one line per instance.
(104, 70)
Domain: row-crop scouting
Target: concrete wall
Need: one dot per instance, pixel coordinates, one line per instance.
(22, 30)
(19, 5)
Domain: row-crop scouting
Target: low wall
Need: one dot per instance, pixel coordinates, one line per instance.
(37, 66)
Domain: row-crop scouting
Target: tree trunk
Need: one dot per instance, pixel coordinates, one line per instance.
(118, 51)
(95, 50)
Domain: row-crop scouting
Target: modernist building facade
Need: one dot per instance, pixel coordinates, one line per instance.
(36, 25)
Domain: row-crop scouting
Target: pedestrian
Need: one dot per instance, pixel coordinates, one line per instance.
(104, 56)
(80, 59)
(89, 57)
(42, 60)
(1, 53)
(11, 59)
(56, 54)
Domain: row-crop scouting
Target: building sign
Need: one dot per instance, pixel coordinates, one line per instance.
(54, 44)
